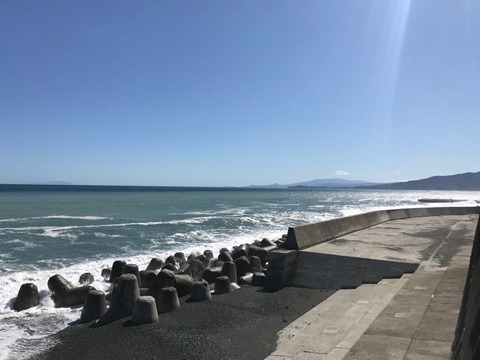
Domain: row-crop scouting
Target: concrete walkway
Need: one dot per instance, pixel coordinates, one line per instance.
(411, 317)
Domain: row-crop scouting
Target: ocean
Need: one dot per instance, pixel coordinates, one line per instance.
(70, 230)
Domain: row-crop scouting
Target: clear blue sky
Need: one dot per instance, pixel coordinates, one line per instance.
(238, 92)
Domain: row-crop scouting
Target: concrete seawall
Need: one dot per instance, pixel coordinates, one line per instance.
(304, 236)
(306, 263)
(399, 276)
(466, 344)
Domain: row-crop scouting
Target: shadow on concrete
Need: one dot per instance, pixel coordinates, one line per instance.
(334, 272)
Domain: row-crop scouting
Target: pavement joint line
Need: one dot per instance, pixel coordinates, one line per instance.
(354, 335)
(314, 352)
(428, 306)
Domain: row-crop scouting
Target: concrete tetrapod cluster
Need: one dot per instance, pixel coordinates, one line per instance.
(144, 294)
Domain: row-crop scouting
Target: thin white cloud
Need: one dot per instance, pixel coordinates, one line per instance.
(341, 173)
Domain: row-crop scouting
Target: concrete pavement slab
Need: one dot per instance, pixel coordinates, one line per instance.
(428, 350)
(379, 347)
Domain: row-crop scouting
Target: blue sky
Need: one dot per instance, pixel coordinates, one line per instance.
(217, 93)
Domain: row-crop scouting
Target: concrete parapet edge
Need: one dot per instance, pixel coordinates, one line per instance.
(304, 236)
(466, 344)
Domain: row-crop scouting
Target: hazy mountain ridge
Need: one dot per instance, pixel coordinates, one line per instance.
(318, 183)
(465, 181)
(337, 182)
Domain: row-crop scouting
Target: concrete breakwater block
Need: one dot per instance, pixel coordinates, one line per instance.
(165, 278)
(241, 250)
(125, 293)
(266, 243)
(145, 310)
(230, 269)
(106, 273)
(64, 294)
(243, 265)
(258, 279)
(117, 269)
(86, 279)
(71, 297)
(200, 292)
(94, 307)
(155, 264)
(208, 263)
(205, 261)
(183, 284)
(217, 263)
(174, 261)
(58, 283)
(225, 256)
(255, 264)
(211, 274)
(180, 255)
(27, 297)
(245, 279)
(261, 252)
(167, 300)
(147, 277)
(169, 267)
(132, 269)
(223, 285)
(195, 269)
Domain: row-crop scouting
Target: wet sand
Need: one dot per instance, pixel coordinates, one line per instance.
(239, 325)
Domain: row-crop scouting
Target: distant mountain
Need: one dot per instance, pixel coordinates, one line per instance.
(331, 183)
(466, 181)
(318, 183)
(271, 186)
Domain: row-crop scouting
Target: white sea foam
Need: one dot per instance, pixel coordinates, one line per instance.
(58, 217)
(65, 231)
(19, 329)
(69, 217)
(13, 220)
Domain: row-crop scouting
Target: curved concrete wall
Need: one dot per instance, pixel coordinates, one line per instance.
(302, 237)
(466, 344)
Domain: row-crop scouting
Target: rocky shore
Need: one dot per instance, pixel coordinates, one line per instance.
(242, 324)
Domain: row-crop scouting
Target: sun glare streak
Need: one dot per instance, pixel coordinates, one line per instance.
(389, 60)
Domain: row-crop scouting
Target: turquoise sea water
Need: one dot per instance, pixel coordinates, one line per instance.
(69, 230)
(49, 227)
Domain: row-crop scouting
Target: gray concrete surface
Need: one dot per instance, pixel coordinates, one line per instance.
(305, 236)
(411, 317)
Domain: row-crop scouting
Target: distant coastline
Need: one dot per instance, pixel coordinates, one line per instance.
(459, 182)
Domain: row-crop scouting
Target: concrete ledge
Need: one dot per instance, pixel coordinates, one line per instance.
(304, 236)
(334, 272)
(280, 264)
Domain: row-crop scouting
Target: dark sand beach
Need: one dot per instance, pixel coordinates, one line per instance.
(239, 325)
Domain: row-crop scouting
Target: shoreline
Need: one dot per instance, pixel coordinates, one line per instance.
(243, 324)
